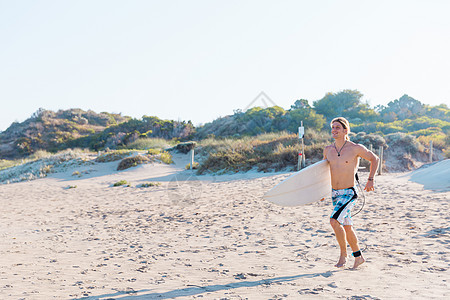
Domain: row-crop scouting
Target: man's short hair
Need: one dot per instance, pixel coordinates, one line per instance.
(345, 124)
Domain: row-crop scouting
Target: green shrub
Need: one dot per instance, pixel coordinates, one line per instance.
(113, 155)
(5, 164)
(265, 153)
(185, 147)
(149, 184)
(438, 139)
(39, 154)
(154, 151)
(132, 161)
(195, 166)
(375, 140)
(148, 143)
(120, 183)
(447, 153)
(404, 141)
(166, 158)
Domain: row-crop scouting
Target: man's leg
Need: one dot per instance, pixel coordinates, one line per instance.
(342, 241)
(353, 242)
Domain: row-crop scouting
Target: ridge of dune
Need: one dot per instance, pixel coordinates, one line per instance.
(433, 177)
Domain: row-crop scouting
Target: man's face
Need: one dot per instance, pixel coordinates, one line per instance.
(337, 130)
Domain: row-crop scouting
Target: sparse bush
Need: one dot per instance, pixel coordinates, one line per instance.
(39, 154)
(314, 152)
(166, 158)
(5, 164)
(375, 140)
(149, 184)
(120, 183)
(185, 147)
(447, 153)
(405, 141)
(265, 152)
(437, 138)
(113, 155)
(31, 169)
(133, 161)
(154, 151)
(148, 143)
(316, 137)
(195, 166)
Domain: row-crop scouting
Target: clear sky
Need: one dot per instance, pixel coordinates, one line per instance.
(199, 60)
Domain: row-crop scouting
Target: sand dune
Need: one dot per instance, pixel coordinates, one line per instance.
(212, 238)
(434, 176)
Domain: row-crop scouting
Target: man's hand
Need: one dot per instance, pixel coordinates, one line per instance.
(369, 186)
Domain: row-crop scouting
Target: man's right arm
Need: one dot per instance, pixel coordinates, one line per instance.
(370, 156)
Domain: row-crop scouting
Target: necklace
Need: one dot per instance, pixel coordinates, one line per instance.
(339, 152)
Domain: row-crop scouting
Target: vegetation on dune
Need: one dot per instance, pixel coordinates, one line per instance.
(132, 158)
(132, 161)
(149, 184)
(113, 155)
(121, 183)
(41, 165)
(126, 134)
(195, 166)
(257, 120)
(406, 115)
(267, 152)
(259, 138)
(147, 143)
(75, 128)
(166, 157)
(347, 103)
(50, 131)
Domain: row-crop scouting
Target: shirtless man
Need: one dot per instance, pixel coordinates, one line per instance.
(343, 156)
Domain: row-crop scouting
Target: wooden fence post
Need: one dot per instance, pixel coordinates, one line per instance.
(380, 165)
(192, 158)
(431, 151)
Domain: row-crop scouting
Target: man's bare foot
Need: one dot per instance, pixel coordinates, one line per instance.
(358, 261)
(341, 262)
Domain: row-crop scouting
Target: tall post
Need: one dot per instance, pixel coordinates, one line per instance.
(431, 151)
(301, 156)
(380, 165)
(192, 159)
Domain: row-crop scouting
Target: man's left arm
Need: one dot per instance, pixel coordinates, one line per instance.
(370, 156)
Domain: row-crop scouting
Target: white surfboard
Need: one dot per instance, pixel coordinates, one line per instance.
(305, 186)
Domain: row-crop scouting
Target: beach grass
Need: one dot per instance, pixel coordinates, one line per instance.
(166, 157)
(150, 143)
(120, 183)
(149, 184)
(265, 153)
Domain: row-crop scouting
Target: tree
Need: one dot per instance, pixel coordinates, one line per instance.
(300, 104)
(346, 103)
(403, 108)
(309, 117)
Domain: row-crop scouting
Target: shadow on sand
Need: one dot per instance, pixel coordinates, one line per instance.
(196, 290)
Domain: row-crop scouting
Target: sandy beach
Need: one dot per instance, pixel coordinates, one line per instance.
(213, 237)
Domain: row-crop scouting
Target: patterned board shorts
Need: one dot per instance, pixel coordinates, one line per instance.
(343, 201)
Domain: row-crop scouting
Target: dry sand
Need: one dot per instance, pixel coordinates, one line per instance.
(212, 238)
